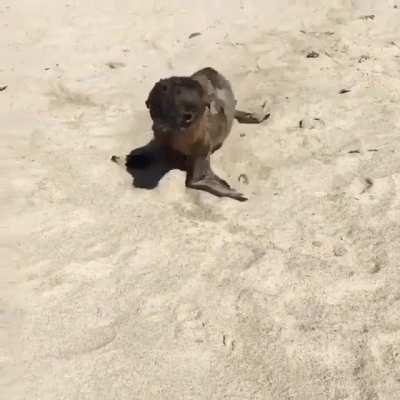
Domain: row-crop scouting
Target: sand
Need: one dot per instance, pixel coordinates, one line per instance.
(108, 291)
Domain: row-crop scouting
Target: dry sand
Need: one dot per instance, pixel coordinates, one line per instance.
(113, 292)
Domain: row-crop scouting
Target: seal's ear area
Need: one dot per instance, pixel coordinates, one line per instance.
(148, 101)
(160, 87)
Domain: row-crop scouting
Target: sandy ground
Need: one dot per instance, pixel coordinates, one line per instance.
(113, 292)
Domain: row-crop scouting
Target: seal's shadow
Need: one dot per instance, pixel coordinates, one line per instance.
(150, 163)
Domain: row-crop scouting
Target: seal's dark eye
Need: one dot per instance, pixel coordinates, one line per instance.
(191, 108)
(164, 88)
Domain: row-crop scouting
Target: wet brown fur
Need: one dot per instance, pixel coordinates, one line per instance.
(193, 116)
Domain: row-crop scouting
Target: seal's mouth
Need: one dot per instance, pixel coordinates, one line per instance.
(167, 129)
(187, 117)
(161, 127)
(178, 124)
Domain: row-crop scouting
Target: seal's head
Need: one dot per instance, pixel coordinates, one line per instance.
(176, 103)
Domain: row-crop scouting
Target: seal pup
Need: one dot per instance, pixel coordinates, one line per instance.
(192, 117)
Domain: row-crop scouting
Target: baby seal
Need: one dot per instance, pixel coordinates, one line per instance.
(192, 116)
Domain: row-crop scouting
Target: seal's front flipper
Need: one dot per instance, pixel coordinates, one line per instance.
(201, 177)
(244, 117)
(213, 185)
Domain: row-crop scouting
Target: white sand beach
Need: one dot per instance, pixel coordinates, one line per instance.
(111, 292)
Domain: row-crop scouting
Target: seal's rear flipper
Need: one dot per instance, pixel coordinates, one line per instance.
(244, 117)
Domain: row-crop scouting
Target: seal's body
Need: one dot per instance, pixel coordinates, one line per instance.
(193, 116)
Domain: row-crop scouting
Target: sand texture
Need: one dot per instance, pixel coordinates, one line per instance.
(111, 292)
